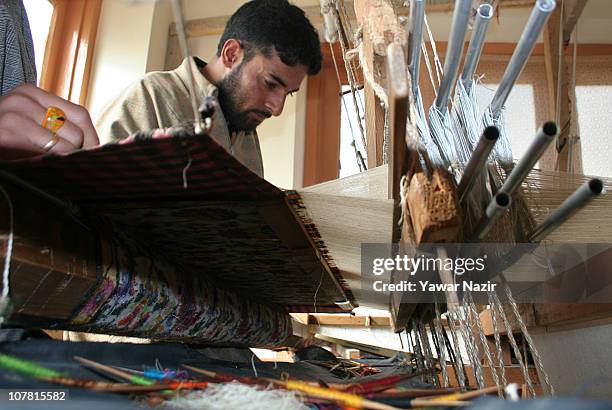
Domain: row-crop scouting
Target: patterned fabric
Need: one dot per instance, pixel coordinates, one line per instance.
(16, 49)
(142, 295)
(226, 228)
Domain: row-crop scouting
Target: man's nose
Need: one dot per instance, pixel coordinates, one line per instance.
(275, 103)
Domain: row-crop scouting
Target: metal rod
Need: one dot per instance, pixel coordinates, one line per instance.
(546, 134)
(535, 24)
(483, 17)
(500, 202)
(459, 26)
(182, 37)
(417, 16)
(573, 203)
(477, 161)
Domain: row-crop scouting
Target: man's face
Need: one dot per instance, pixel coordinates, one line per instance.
(256, 89)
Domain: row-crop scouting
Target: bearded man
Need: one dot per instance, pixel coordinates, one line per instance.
(266, 50)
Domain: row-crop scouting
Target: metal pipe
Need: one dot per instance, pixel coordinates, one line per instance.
(500, 202)
(417, 16)
(573, 203)
(477, 161)
(177, 8)
(546, 134)
(535, 24)
(483, 17)
(461, 17)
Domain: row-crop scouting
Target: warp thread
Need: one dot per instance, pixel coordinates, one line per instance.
(236, 395)
(4, 296)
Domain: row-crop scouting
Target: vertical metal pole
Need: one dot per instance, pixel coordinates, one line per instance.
(459, 26)
(180, 30)
(539, 16)
(417, 16)
(483, 17)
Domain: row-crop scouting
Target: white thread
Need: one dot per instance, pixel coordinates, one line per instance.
(253, 365)
(438, 64)
(4, 297)
(314, 305)
(185, 184)
(236, 395)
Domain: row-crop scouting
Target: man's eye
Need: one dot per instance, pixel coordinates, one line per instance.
(271, 85)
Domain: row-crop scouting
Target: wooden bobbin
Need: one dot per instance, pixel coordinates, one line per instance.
(434, 207)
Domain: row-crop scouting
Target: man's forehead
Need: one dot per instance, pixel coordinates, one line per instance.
(288, 76)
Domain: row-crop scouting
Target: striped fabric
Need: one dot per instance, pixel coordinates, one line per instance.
(195, 203)
(16, 49)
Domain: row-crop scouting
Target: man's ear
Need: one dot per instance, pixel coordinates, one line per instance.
(231, 53)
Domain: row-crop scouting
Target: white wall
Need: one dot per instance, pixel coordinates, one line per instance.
(578, 361)
(132, 40)
(121, 50)
(594, 25)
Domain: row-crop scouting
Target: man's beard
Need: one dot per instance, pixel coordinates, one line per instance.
(231, 99)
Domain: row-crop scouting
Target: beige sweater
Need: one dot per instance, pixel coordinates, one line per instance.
(161, 100)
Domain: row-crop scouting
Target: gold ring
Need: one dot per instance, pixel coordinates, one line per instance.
(53, 121)
(51, 143)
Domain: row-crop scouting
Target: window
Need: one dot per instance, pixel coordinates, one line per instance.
(39, 13)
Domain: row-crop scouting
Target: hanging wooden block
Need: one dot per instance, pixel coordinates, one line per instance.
(434, 207)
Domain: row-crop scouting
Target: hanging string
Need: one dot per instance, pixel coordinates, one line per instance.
(4, 296)
(534, 351)
(497, 338)
(470, 344)
(573, 138)
(463, 379)
(350, 74)
(358, 156)
(496, 304)
(432, 42)
(442, 346)
(483, 341)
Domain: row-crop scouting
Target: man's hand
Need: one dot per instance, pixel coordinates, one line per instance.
(21, 115)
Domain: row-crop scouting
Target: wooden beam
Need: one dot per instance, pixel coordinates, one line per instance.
(398, 113)
(211, 26)
(374, 48)
(560, 97)
(573, 11)
(348, 320)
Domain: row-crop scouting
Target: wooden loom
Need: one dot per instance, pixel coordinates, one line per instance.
(433, 207)
(147, 250)
(331, 206)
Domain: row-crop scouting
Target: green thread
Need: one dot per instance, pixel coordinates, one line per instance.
(26, 367)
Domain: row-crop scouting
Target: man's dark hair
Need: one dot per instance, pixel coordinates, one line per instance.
(266, 25)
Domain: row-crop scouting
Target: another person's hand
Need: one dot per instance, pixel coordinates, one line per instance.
(22, 112)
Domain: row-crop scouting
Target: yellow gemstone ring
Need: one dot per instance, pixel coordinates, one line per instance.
(54, 119)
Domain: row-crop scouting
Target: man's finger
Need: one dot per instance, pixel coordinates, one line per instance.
(76, 114)
(28, 107)
(21, 137)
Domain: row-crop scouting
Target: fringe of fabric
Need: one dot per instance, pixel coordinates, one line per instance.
(294, 199)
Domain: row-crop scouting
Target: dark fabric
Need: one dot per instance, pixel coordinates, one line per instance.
(174, 166)
(16, 48)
